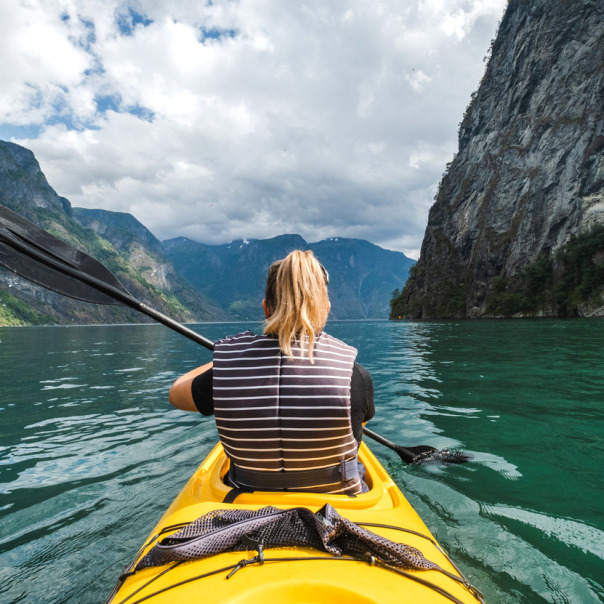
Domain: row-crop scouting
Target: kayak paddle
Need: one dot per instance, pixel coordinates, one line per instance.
(36, 255)
(422, 454)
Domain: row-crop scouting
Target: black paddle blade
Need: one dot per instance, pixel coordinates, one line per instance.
(428, 455)
(422, 454)
(38, 256)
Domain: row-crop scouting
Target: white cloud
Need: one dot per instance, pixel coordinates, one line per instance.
(40, 63)
(247, 119)
(418, 80)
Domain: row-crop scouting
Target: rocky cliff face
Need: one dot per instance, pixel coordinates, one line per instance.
(23, 186)
(117, 240)
(529, 173)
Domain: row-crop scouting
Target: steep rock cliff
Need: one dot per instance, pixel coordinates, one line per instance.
(120, 242)
(529, 173)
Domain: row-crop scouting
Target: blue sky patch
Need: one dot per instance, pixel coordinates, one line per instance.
(143, 112)
(64, 117)
(89, 39)
(109, 102)
(128, 20)
(216, 34)
(113, 102)
(10, 131)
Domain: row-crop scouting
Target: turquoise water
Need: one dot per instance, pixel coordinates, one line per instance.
(91, 453)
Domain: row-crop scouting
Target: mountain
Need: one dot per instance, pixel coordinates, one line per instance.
(121, 229)
(517, 227)
(233, 274)
(119, 241)
(183, 279)
(362, 275)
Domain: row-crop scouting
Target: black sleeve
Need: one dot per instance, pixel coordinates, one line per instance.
(361, 400)
(203, 392)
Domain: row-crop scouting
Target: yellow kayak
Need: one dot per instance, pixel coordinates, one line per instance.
(297, 574)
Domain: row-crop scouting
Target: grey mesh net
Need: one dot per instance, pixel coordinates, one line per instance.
(238, 530)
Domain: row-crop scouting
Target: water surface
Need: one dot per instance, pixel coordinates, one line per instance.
(91, 453)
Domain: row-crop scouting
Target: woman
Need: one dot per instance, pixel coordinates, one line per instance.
(290, 403)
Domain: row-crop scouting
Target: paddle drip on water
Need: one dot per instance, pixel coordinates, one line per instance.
(441, 456)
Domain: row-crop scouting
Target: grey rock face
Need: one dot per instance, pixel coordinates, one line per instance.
(119, 228)
(23, 186)
(529, 173)
(130, 250)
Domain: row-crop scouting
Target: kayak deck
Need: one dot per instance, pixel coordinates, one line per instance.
(301, 574)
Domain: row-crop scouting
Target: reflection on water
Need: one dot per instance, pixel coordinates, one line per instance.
(91, 453)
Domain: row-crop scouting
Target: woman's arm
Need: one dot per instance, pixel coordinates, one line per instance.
(361, 400)
(180, 393)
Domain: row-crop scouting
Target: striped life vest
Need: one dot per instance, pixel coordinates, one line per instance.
(284, 422)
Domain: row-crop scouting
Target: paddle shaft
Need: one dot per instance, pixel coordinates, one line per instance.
(110, 290)
(405, 454)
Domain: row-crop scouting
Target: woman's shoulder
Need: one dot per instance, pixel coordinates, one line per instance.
(247, 335)
(332, 341)
(244, 337)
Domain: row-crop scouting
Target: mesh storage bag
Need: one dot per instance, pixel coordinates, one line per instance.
(237, 530)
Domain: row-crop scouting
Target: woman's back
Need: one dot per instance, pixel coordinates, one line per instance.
(277, 414)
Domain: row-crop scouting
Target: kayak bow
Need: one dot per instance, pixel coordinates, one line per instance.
(294, 574)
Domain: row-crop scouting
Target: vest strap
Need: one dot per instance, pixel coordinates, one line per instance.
(294, 479)
(234, 493)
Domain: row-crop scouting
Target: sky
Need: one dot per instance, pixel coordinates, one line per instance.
(246, 119)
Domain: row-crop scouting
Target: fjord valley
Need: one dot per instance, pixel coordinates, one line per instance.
(185, 279)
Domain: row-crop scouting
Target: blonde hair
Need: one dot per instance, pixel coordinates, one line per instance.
(297, 300)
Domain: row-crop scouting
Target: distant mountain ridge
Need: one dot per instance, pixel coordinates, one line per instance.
(186, 280)
(119, 228)
(362, 275)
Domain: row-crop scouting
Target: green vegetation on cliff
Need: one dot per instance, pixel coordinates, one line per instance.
(560, 284)
(448, 306)
(568, 283)
(15, 312)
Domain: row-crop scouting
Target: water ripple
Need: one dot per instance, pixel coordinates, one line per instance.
(570, 532)
(92, 454)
